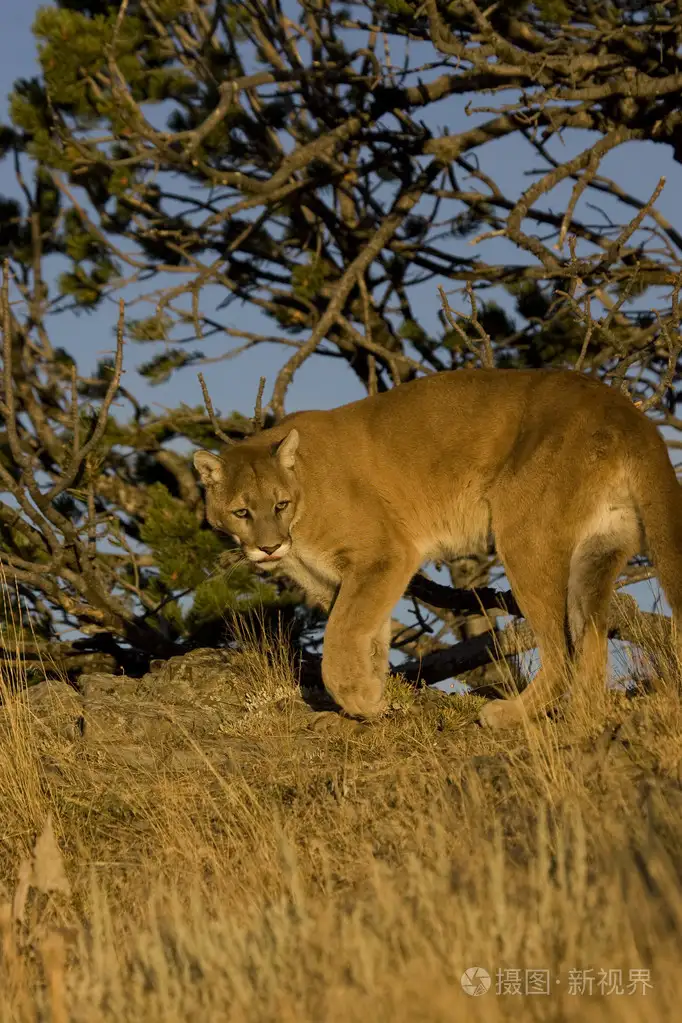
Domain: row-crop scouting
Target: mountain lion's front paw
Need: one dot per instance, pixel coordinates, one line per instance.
(360, 704)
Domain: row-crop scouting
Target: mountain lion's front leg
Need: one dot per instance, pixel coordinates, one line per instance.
(356, 630)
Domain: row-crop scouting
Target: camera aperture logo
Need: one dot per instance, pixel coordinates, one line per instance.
(475, 981)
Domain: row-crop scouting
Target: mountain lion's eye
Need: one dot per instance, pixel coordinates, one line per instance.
(281, 505)
(241, 513)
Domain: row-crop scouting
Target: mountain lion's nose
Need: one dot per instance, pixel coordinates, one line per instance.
(270, 550)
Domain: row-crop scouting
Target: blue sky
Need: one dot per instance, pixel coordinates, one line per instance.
(323, 383)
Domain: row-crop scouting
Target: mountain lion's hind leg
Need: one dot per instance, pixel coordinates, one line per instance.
(595, 567)
(539, 579)
(355, 652)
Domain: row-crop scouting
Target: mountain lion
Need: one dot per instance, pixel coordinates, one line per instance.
(565, 472)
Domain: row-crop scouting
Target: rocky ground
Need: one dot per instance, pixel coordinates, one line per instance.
(195, 706)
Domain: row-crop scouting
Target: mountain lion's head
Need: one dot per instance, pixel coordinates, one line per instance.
(252, 494)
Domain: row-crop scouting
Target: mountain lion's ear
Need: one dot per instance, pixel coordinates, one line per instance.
(209, 467)
(287, 448)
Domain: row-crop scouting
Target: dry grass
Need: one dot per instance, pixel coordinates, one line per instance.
(343, 873)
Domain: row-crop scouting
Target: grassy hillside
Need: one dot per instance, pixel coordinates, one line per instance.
(211, 847)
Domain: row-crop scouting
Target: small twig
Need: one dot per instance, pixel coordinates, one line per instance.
(486, 356)
(92, 520)
(196, 313)
(119, 18)
(75, 417)
(582, 183)
(372, 384)
(257, 419)
(616, 248)
(365, 306)
(78, 454)
(8, 406)
(588, 334)
(211, 414)
(416, 611)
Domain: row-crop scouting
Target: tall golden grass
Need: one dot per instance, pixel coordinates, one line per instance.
(348, 872)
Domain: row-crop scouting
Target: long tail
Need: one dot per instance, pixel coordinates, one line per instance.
(659, 500)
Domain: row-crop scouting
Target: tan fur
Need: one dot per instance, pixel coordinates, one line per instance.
(565, 472)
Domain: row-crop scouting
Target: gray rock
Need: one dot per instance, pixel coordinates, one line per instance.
(179, 704)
